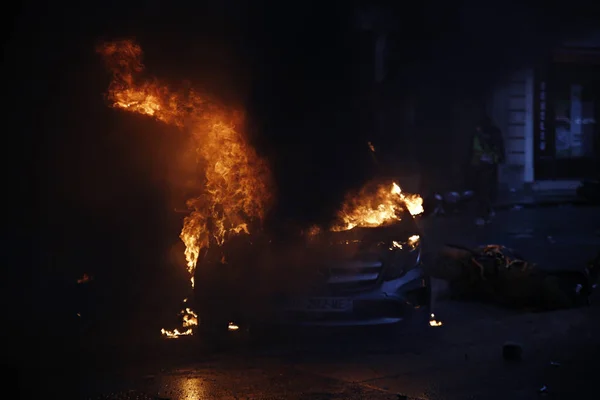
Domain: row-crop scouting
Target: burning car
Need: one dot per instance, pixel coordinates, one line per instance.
(351, 274)
(363, 269)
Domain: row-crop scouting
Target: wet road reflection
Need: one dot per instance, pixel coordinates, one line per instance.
(188, 386)
(191, 388)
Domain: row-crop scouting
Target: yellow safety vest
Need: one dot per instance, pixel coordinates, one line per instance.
(481, 148)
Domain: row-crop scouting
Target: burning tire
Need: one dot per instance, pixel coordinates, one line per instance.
(214, 304)
(212, 332)
(418, 321)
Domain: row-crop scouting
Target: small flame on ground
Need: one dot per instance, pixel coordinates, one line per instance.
(189, 318)
(84, 279)
(433, 322)
(232, 327)
(175, 333)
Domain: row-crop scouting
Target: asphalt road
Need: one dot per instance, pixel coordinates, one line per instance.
(459, 360)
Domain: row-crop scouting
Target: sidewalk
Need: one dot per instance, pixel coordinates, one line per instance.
(545, 198)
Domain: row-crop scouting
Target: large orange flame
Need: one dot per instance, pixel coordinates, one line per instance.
(370, 208)
(237, 188)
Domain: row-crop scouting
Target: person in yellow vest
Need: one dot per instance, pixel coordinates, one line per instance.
(486, 153)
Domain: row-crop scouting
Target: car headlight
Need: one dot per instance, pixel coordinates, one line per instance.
(401, 256)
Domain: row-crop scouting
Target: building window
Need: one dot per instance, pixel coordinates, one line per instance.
(574, 122)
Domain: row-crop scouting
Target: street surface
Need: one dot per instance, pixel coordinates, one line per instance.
(460, 360)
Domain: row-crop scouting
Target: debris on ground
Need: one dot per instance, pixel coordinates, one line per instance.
(497, 274)
(448, 203)
(512, 351)
(522, 234)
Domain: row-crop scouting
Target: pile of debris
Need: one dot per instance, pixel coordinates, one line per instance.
(448, 203)
(497, 274)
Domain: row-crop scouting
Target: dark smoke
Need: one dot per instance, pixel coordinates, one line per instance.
(313, 72)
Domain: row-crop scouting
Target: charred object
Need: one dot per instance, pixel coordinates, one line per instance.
(499, 275)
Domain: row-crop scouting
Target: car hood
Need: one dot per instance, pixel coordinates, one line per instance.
(292, 263)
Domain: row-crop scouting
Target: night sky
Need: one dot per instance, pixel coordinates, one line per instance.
(85, 181)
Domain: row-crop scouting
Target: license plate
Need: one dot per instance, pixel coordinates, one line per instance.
(323, 304)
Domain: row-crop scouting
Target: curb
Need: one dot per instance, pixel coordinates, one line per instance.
(546, 203)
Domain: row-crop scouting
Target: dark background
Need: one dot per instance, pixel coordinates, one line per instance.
(87, 186)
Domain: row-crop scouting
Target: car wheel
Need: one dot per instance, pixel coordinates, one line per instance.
(265, 334)
(212, 333)
(419, 320)
(417, 324)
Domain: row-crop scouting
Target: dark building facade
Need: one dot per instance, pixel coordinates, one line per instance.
(548, 114)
